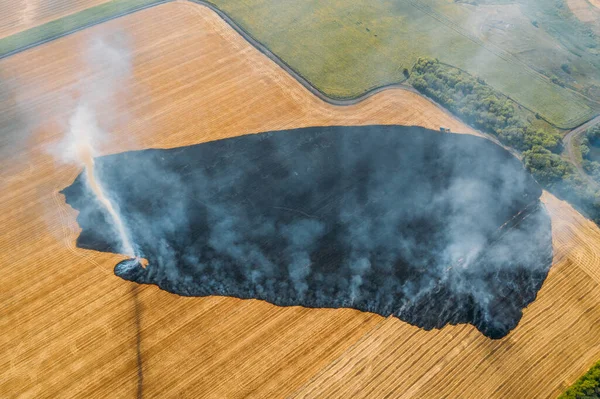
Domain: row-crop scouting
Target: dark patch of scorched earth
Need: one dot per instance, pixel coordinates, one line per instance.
(432, 228)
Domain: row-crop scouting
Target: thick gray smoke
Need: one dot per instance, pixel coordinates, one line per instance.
(433, 228)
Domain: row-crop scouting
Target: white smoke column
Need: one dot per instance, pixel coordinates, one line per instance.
(81, 123)
(108, 62)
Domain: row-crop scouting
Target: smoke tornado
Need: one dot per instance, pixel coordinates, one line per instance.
(79, 123)
(109, 58)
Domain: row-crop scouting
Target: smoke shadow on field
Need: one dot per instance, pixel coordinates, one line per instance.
(433, 228)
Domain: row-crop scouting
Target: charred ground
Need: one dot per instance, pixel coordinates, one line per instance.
(432, 228)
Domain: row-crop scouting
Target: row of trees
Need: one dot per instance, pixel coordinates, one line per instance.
(484, 108)
(480, 105)
(587, 387)
(591, 139)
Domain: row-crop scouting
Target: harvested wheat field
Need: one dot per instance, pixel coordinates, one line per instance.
(71, 327)
(19, 15)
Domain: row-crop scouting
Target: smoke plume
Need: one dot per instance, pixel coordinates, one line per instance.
(433, 228)
(107, 69)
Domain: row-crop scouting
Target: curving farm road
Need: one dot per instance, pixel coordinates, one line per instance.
(569, 142)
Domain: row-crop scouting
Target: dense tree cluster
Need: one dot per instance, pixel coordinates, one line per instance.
(591, 164)
(548, 168)
(587, 387)
(480, 105)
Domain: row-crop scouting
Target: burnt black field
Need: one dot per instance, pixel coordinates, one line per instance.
(433, 228)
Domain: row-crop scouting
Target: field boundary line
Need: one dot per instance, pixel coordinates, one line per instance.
(80, 28)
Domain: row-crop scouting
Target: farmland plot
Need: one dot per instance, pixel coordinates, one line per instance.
(71, 326)
(346, 48)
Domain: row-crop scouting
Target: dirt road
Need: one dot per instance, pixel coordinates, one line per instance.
(570, 142)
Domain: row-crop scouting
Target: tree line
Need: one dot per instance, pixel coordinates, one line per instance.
(586, 387)
(589, 163)
(481, 106)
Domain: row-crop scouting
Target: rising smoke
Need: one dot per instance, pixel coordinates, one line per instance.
(81, 123)
(107, 69)
(433, 228)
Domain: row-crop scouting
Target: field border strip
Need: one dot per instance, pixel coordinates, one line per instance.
(80, 28)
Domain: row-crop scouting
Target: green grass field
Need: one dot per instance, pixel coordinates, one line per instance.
(346, 47)
(74, 21)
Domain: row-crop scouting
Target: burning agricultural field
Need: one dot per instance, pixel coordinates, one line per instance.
(432, 228)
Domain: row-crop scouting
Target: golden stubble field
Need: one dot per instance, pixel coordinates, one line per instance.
(70, 327)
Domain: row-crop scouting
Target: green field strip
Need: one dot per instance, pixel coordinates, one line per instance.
(70, 24)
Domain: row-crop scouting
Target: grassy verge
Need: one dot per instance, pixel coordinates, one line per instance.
(70, 23)
(483, 107)
(586, 387)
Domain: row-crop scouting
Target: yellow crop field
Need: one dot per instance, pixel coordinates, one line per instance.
(70, 327)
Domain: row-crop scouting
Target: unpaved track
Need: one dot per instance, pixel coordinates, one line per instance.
(70, 326)
(570, 142)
